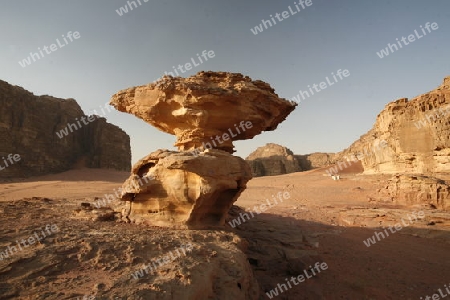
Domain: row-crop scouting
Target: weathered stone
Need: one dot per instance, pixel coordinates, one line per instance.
(196, 188)
(179, 188)
(416, 132)
(199, 108)
(28, 127)
(272, 159)
(407, 189)
(315, 160)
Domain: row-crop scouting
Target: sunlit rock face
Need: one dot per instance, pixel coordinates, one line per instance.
(169, 188)
(411, 136)
(197, 185)
(200, 108)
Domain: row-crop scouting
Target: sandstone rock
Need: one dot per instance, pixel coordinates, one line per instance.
(207, 105)
(407, 189)
(28, 126)
(182, 264)
(315, 160)
(416, 133)
(196, 188)
(169, 188)
(272, 159)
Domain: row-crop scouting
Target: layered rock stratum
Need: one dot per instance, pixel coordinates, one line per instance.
(28, 127)
(196, 186)
(416, 132)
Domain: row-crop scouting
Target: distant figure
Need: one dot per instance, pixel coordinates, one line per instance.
(335, 177)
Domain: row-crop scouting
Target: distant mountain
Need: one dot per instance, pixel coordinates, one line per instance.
(44, 134)
(273, 159)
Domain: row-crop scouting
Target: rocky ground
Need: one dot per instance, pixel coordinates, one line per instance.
(93, 255)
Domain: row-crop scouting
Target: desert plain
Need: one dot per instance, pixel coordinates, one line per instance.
(94, 254)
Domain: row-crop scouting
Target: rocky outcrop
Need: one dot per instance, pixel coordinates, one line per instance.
(207, 112)
(416, 133)
(315, 160)
(169, 187)
(130, 262)
(29, 125)
(272, 159)
(208, 109)
(408, 189)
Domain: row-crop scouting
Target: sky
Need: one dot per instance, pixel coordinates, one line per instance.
(114, 52)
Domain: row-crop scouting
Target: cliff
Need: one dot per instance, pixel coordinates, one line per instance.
(28, 129)
(416, 134)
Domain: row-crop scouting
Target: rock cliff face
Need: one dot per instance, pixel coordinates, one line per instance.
(29, 125)
(272, 159)
(416, 133)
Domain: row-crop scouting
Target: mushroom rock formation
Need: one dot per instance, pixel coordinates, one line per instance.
(199, 108)
(196, 186)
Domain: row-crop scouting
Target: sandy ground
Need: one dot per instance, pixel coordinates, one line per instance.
(323, 221)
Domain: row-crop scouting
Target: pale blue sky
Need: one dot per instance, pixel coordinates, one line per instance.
(115, 52)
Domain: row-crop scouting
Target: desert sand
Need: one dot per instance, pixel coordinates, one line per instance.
(322, 221)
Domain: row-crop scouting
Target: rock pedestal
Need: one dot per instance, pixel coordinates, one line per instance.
(169, 188)
(207, 112)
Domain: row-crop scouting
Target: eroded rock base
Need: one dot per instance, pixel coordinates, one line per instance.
(168, 188)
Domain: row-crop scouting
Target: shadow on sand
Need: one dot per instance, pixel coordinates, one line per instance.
(408, 264)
